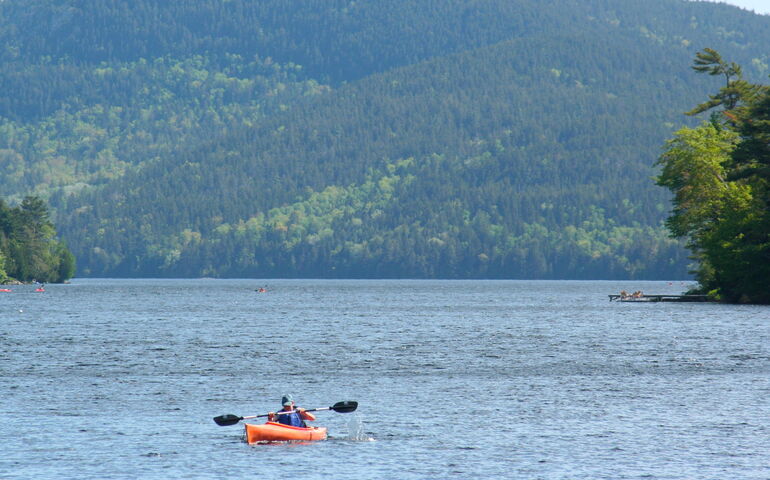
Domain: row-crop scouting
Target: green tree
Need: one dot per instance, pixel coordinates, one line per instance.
(735, 90)
(694, 170)
(3, 275)
(719, 173)
(29, 249)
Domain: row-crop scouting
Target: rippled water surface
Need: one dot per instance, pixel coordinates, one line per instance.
(105, 379)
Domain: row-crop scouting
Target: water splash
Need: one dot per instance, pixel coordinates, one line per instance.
(356, 429)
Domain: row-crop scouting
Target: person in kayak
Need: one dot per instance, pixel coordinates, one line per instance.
(295, 419)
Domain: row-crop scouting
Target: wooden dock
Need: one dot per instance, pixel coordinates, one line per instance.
(658, 298)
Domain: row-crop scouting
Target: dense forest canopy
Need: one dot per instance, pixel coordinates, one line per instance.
(495, 138)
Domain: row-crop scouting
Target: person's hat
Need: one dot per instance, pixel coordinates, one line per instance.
(286, 400)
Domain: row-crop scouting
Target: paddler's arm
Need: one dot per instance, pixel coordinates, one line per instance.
(306, 415)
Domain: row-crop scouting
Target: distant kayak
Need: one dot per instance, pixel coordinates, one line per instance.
(6, 290)
(278, 432)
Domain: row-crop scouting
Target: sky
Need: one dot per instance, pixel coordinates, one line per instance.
(759, 6)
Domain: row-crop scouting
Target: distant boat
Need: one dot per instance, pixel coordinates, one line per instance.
(5, 290)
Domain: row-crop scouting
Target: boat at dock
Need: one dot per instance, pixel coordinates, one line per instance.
(658, 298)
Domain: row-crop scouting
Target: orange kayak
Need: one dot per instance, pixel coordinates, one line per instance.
(278, 432)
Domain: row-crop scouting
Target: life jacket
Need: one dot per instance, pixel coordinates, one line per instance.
(293, 419)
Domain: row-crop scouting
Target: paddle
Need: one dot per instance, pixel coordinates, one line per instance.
(339, 407)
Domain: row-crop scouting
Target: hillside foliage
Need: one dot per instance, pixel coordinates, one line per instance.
(496, 138)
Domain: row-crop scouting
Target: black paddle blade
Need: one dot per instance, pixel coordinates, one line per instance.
(344, 407)
(229, 419)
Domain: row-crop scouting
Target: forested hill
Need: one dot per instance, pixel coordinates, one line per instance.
(495, 138)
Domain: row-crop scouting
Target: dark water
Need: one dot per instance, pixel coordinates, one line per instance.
(105, 379)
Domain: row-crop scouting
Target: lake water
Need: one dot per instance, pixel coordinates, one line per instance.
(113, 379)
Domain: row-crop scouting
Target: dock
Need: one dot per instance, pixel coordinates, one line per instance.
(658, 298)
